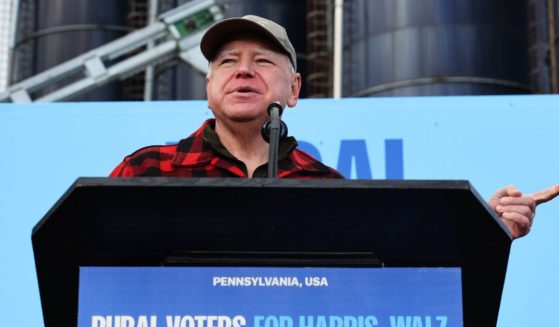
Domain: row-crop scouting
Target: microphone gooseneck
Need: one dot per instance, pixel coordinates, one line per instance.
(272, 131)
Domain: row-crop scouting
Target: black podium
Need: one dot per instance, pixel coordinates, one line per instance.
(163, 221)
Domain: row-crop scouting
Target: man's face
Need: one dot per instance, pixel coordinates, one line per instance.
(246, 76)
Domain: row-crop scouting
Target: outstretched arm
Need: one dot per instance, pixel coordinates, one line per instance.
(517, 210)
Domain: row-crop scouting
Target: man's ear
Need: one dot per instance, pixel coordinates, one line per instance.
(295, 89)
(208, 74)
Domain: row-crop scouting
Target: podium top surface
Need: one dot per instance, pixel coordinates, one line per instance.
(141, 221)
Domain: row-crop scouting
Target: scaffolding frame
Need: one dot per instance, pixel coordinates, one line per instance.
(176, 33)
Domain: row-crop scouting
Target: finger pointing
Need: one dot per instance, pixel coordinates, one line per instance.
(545, 195)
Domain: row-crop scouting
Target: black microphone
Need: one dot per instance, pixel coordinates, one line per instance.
(272, 131)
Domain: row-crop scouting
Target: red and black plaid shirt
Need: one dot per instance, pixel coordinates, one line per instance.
(203, 155)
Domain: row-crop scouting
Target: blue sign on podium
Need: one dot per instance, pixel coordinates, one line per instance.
(269, 297)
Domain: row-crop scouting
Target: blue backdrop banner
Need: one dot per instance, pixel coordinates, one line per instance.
(493, 141)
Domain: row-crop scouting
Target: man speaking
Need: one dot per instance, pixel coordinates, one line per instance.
(252, 64)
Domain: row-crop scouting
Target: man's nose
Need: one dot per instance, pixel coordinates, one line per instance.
(245, 69)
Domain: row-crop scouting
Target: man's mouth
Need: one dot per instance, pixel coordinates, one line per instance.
(245, 89)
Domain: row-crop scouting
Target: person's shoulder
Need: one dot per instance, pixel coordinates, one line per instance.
(192, 143)
(159, 160)
(313, 165)
(147, 161)
(152, 152)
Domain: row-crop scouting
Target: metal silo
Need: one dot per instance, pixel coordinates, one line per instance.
(182, 82)
(434, 47)
(53, 31)
(543, 31)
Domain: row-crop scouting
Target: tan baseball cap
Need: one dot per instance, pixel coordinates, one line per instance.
(223, 30)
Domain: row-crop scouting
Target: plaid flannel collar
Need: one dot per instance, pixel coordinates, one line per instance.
(201, 147)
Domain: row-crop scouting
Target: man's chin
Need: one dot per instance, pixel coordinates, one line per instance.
(243, 113)
(245, 119)
(248, 116)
